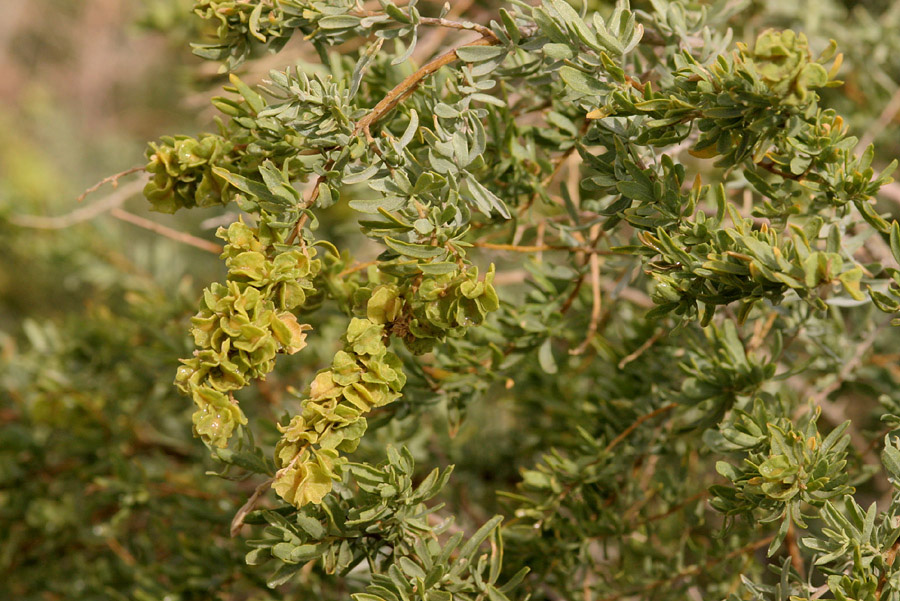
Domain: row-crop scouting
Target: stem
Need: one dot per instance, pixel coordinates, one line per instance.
(624, 434)
(694, 569)
(595, 306)
(641, 349)
(771, 168)
(168, 232)
(357, 267)
(408, 85)
(84, 213)
(112, 178)
(889, 558)
(465, 26)
(247, 507)
(310, 201)
(542, 247)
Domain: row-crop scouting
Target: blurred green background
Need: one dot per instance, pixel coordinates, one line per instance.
(102, 489)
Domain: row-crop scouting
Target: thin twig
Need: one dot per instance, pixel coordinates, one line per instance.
(465, 26)
(249, 506)
(395, 97)
(309, 202)
(848, 367)
(542, 247)
(412, 82)
(771, 168)
(357, 267)
(580, 280)
(890, 110)
(659, 516)
(693, 570)
(120, 551)
(114, 179)
(889, 557)
(641, 349)
(761, 330)
(429, 44)
(81, 214)
(168, 232)
(634, 425)
(618, 439)
(596, 306)
(558, 163)
(790, 540)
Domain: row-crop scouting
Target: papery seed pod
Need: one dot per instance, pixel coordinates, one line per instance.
(784, 63)
(182, 175)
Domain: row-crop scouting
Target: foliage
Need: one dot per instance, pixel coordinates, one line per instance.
(630, 278)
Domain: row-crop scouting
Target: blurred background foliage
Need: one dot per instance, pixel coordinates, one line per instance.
(102, 488)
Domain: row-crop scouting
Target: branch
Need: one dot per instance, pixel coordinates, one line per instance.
(794, 551)
(693, 570)
(542, 247)
(771, 168)
(81, 214)
(167, 232)
(595, 306)
(465, 26)
(889, 557)
(848, 367)
(674, 509)
(111, 178)
(357, 267)
(397, 95)
(624, 434)
(111, 204)
(408, 85)
(310, 201)
(641, 349)
(249, 506)
(891, 109)
(427, 46)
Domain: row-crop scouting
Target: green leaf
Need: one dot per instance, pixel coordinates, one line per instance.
(254, 22)
(467, 552)
(582, 82)
(485, 200)
(411, 129)
(558, 51)
(417, 251)
(895, 241)
(339, 22)
(372, 206)
(440, 268)
(510, 26)
(477, 54)
(545, 357)
(253, 188)
(890, 458)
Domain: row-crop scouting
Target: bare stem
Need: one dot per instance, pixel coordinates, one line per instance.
(542, 247)
(80, 214)
(114, 179)
(465, 25)
(408, 85)
(249, 506)
(694, 569)
(168, 232)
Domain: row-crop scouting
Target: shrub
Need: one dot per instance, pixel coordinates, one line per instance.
(625, 275)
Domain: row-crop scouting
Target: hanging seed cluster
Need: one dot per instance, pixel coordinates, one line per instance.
(243, 324)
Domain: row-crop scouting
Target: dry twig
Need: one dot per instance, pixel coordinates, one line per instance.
(249, 506)
(81, 214)
(165, 231)
(114, 179)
